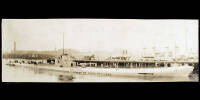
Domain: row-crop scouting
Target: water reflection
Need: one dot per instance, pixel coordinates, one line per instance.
(33, 74)
(64, 78)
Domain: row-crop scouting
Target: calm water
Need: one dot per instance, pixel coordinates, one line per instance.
(24, 74)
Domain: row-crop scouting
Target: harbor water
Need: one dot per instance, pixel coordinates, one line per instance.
(33, 74)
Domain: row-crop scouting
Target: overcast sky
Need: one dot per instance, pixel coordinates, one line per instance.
(98, 34)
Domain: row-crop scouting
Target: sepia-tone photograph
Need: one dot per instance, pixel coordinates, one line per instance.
(100, 50)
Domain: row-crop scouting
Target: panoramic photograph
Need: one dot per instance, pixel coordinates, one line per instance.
(100, 50)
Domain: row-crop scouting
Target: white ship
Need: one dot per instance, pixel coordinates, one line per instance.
(174, 71)
(66, 63)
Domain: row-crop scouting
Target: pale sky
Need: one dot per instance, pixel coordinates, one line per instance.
(98, 34)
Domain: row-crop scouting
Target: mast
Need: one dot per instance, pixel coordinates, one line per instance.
(144, 52)
(176, 47)
(14, 49)
(186, 48)
(55, 47)
(186, 40)
(63, 44)
(154, 51)
(166, 53)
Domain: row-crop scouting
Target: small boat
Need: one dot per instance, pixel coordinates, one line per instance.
(10, 64)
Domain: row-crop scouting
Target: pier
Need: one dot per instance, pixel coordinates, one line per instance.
(107, 63)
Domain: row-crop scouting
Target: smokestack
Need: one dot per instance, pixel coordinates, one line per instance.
(14, 46)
